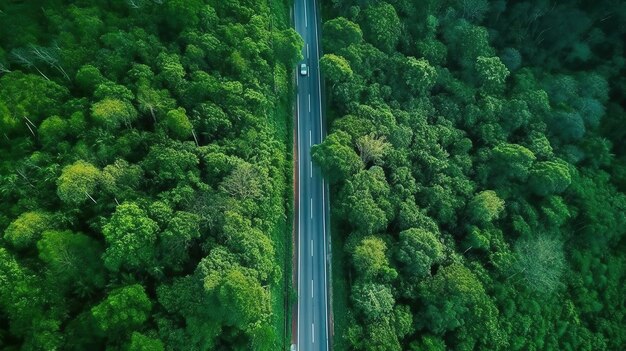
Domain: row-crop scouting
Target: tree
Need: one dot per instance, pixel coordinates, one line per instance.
(243, 182)
(340, 32)
(131, 237)
(140, 342)
(549, 177)
(335, 68)
(28, 96)
(417, 251)
(466, 306)
(336, 156)
(485, 207)
(372, 148)
(492, 73)
(512, 161)
(370, 259)
(111, 113)
(123, 311)
(88, 78)
(288, 46)
(373, 301)
(174, 242)
(178, 123)
(381, 26)
(78, 182)
(24, 231)
(242, 299)
(420, 76)
(365, 201)
(74, 259)
(540, 262)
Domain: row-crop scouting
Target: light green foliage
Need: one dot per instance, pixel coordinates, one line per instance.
(123, 310)
(78, 182)
(374, 301)
(418, 250)
(131, 237)
(420, 75)
(112, 113)
(492, 73)
(120, 177)
(485, 207)
(26, 229)
(370, 259)
(372, 149)
(53, 130)
(140, 342)
(335, 68)
(178, 123)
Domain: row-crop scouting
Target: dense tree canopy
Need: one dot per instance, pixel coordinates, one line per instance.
(144, 174)
(477, 174)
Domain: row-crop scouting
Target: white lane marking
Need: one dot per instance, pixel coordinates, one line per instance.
(310, 138)
(309, 102)
(311, 208)
(319, 87)
(311, 168)
(311, 288)
(311, 247)
(313, 333)
(306, 23)
(299, 221)
(307, 51)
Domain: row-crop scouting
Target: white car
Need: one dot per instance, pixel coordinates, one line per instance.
(304, 70)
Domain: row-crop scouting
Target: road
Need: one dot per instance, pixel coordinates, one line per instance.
(312, 192)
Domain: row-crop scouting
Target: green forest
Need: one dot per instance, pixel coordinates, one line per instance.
(478, 152)
(145, 174)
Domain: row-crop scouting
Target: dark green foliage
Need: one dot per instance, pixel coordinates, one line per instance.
(144, 174)
(489, 201)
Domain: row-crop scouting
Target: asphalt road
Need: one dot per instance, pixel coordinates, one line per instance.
(312, 200)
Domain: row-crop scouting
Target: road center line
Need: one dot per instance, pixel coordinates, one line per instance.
(306, 23)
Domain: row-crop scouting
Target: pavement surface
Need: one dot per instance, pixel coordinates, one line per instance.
(312, 192)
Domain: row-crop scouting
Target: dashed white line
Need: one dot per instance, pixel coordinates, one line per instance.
(311, 169)
(311, 288)
(309, 102)
(313, 333)
(311, 247)
(306, 23)
(310, 138)
(307, 51)
(311, 208)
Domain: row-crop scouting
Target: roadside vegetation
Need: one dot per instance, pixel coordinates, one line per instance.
(145, 174)
(476, 150)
